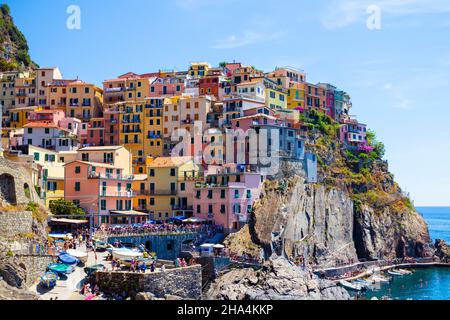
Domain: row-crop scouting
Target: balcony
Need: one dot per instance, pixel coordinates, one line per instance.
(96, 175)
(112, 90)
(154, 136)
(182, 207)
(118, 194)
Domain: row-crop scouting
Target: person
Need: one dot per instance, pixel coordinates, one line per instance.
(177, 262)
(143, 267)
(152, 267)
(96, 290)
(163, 268)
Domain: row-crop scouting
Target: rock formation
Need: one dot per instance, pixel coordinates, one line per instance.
(279, 280)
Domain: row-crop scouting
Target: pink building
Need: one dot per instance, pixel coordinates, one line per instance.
(167, 86)
(227, 196)
(353, 134)
(94, 134)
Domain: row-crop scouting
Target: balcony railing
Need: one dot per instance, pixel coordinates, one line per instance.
(119, 194)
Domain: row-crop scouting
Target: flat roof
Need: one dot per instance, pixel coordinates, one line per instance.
(100, 148)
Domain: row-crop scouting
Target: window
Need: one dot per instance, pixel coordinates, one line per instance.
(210, 208)
(236, 194)
(77, 169)
(103, 205)
(77, 186)
(249, 194)
(152, 172)
(222, 194)
(172, 172)
(183, 186)
(198, 209)
(210, 194)
(222, 208)
(36, 156)
(152, 201)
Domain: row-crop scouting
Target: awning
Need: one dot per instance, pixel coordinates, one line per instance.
(218, 246)
(194, 220)
(178, 218)
(129, 213)
(68, 221)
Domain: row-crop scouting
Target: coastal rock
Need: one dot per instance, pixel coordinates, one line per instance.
(442, 251)
(385, 234)
(279, 280)
(8, 292)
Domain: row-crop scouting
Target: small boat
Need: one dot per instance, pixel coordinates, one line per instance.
(404, 271)
(61, 236)
(48, 280)
(66, 258)
(60, 268)
(364, 283)
(125, 254)
(379, 278)
(394, 273)
(80, 255)
(96, 267)
(352, 286)
(100, 245)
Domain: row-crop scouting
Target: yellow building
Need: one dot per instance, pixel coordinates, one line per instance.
(276, 97)
(18, 117)
(139, 186)
(165, 175)
(153, 128)
(199, 69)
(48, 172)
(84, 100)
(296, 96)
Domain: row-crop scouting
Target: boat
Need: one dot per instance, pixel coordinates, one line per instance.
(61, 236)
(125, 254)
(352, 286)
(404, 271)
(80, 255)
(364, 283)
(96, 267)
(100, 245)
(379, 278)
(66, 258)
(395, 273)
(60, 268)
(48, 280)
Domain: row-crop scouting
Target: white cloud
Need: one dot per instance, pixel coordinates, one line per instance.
(247, 38)
(342, 13)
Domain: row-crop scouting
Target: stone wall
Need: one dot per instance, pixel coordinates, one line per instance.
(182, 282)
(16, 187)
(22, 271)
(15, 223)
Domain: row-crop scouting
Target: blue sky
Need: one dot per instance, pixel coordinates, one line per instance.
(398, 76)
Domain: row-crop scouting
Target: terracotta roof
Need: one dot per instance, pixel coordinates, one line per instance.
(168, 162)
(94, 164)
(40, 124)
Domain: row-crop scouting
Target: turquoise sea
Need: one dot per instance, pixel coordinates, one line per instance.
(426, 283)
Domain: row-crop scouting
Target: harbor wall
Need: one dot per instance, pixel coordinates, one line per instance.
(166, 246)
(182, 282)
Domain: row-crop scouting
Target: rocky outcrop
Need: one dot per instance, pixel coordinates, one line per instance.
(442, 251)
(384, 234)
(279, 280)
(12, 293)
(294, 219)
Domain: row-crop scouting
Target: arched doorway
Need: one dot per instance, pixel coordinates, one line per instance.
(8, 188)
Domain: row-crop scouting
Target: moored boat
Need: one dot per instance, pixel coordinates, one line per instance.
(80, 255)
(404, 271)
(60, 268)
(125, 254)
(48, 280)
(394, 273)
(364, 283)
(352, 286)
(379, 278)
(68, 259)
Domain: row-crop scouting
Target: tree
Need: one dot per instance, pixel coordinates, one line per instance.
(223, 64)
(65, 208)
(378, 146)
